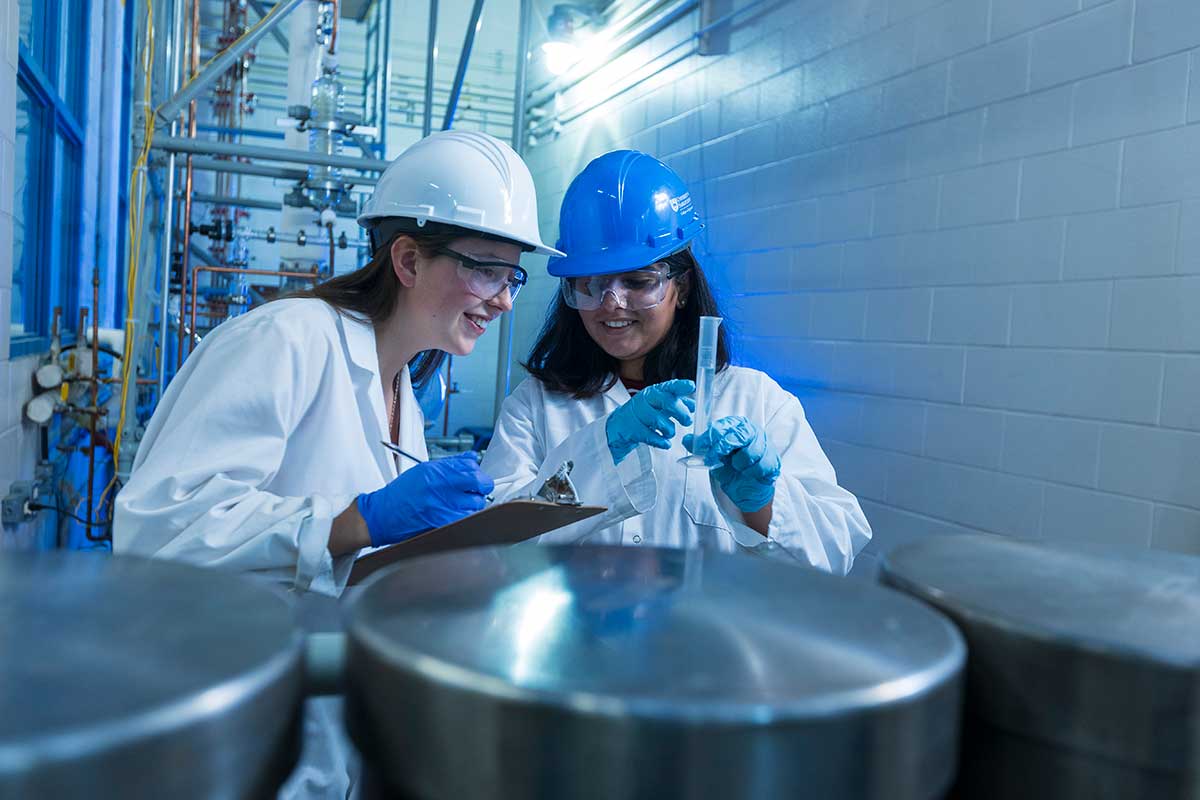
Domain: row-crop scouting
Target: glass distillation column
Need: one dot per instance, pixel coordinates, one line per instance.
(325, 136)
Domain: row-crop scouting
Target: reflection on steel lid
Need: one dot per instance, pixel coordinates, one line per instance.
(655, 632)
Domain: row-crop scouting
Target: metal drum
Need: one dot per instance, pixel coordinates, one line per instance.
(126, 678)
(1083, 679)
(609, 672)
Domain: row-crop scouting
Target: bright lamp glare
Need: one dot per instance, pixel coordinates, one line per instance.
(559, 56)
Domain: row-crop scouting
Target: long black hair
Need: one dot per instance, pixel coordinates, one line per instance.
(566, 358)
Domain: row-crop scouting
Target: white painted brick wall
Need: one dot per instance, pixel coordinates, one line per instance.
(967, 234)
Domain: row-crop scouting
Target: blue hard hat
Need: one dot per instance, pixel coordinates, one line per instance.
(625, 211)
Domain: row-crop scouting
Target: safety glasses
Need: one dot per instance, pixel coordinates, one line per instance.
(637, 290)
(487, 279)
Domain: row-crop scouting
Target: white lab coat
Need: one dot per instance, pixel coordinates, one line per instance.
(270, 430)
(654, 501)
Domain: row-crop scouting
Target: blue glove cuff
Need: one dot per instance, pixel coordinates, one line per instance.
(366, 510)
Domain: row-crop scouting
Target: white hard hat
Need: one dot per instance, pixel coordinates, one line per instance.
(461, 178)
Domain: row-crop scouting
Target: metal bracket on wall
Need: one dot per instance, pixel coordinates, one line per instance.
(716, 41)
(14, 509)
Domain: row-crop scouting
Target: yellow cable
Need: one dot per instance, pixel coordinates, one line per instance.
(137, 207)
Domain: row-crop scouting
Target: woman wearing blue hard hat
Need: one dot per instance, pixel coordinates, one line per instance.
(611, 386)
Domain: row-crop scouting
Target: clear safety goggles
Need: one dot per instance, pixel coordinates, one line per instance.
(487, 279)
(638, 290)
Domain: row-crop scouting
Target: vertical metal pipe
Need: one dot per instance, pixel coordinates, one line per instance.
(164, 296)
(464, 59)
(522, 74)
(430, 58)
(387, 78)
(333, 34)
(91, 479)
(175, 45)
(449, 393)
(329, 227)
(504, 356)
(194, 56)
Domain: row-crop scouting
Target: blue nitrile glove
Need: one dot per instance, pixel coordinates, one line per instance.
(429, 495)
(744, 463)
(646, 418)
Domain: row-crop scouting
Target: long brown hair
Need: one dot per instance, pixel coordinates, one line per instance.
(370, 293)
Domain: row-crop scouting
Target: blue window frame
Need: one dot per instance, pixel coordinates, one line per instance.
(48, 206)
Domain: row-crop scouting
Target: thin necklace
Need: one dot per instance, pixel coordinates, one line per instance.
(392, 410)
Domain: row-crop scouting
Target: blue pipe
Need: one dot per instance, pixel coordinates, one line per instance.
(463, 60)
(240, 132)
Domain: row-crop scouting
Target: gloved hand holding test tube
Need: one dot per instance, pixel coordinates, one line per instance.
(706, 367)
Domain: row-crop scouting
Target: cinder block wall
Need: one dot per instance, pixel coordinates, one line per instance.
(966, 233)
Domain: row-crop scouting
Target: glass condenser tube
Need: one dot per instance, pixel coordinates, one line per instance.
(706, 368)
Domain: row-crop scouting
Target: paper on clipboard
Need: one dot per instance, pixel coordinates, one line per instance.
(505, 523)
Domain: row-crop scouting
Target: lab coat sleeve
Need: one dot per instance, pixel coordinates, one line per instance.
(519, 460)
(813, 519)
(219, 435)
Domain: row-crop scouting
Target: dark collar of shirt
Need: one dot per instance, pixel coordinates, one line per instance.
(632, 386)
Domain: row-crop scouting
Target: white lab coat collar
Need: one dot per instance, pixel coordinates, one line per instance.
(359, 336)
(360, 342)
(617, 394)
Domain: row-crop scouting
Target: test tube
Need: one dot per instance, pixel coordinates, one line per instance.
(706, 368)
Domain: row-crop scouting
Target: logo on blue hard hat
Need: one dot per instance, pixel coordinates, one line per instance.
(684, 201)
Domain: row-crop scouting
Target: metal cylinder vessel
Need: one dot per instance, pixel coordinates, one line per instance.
(611, 672)
(1083, 674)
(125, 678)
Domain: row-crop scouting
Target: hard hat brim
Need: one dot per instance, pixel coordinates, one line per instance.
(526, 244)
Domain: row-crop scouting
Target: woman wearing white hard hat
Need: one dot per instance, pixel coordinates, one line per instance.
(266, 453)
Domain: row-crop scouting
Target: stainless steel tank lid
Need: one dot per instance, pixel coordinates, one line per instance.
(610, 672)
(1141, 602)
(656, 632)
(125, 677)
(1095, 649)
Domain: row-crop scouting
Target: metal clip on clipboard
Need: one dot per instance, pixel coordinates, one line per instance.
(558, 488)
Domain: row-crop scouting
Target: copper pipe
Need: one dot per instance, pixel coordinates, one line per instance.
(312, 276)
(194, 67)
(95, 403)
(83, 316)
(333, 33)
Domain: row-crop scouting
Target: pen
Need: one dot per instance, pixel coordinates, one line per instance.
(398, 451)
(411, 457)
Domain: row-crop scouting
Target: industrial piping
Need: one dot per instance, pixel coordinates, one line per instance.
(221, 62)
(311, 276)
(180, 145)
(504, 354)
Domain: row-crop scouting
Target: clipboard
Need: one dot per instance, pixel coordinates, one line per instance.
(505, 523)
